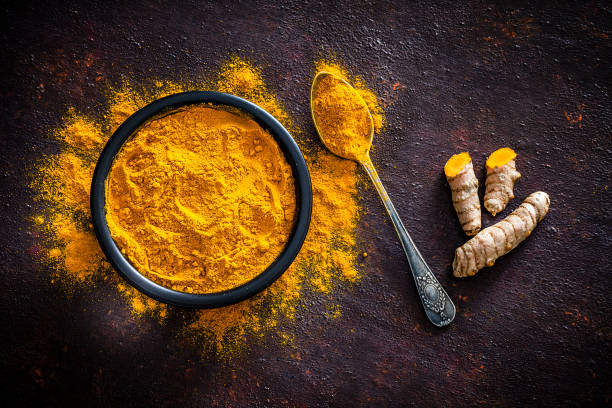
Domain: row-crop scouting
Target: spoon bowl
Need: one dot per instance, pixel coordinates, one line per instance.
(330, 143)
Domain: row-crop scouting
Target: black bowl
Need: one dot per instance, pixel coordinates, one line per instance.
(210, 300)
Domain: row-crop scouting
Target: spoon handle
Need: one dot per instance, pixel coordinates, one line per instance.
(438, 306)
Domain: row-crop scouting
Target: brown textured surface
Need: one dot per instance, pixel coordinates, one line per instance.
(535, 329)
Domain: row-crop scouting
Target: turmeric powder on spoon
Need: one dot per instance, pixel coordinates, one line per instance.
(201, 200)
(343, 117)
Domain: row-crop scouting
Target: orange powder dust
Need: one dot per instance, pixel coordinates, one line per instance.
(80, 133)
(201, 200)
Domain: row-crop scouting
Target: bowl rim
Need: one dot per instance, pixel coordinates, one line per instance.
(208, 300)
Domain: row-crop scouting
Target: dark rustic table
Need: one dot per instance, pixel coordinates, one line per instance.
(476, 76)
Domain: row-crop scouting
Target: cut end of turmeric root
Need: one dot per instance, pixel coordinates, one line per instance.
(455, 164)
(500, 157)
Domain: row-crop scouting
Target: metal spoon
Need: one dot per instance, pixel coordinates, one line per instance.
(439, 308)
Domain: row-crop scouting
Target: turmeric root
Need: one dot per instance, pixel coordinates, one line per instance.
(501, 238)
(464, 188)
(501, 176)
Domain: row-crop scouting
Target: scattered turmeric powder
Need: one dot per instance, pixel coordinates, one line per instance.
(328, 254)
(201, 200)
(79, 132)
(463, 183)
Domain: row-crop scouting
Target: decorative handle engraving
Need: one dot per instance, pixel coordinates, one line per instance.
(439, 308)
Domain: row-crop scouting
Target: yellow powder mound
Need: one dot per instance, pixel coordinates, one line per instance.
(342, 118)
(327, 256)
(201, 200)
(332, 66)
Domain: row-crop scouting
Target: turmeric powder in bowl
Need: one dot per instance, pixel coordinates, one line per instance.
(201, 199)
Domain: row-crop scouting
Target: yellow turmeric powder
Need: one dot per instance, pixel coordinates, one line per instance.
(328, 255)
(342, 116)
(332, 66)
(201, 200)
